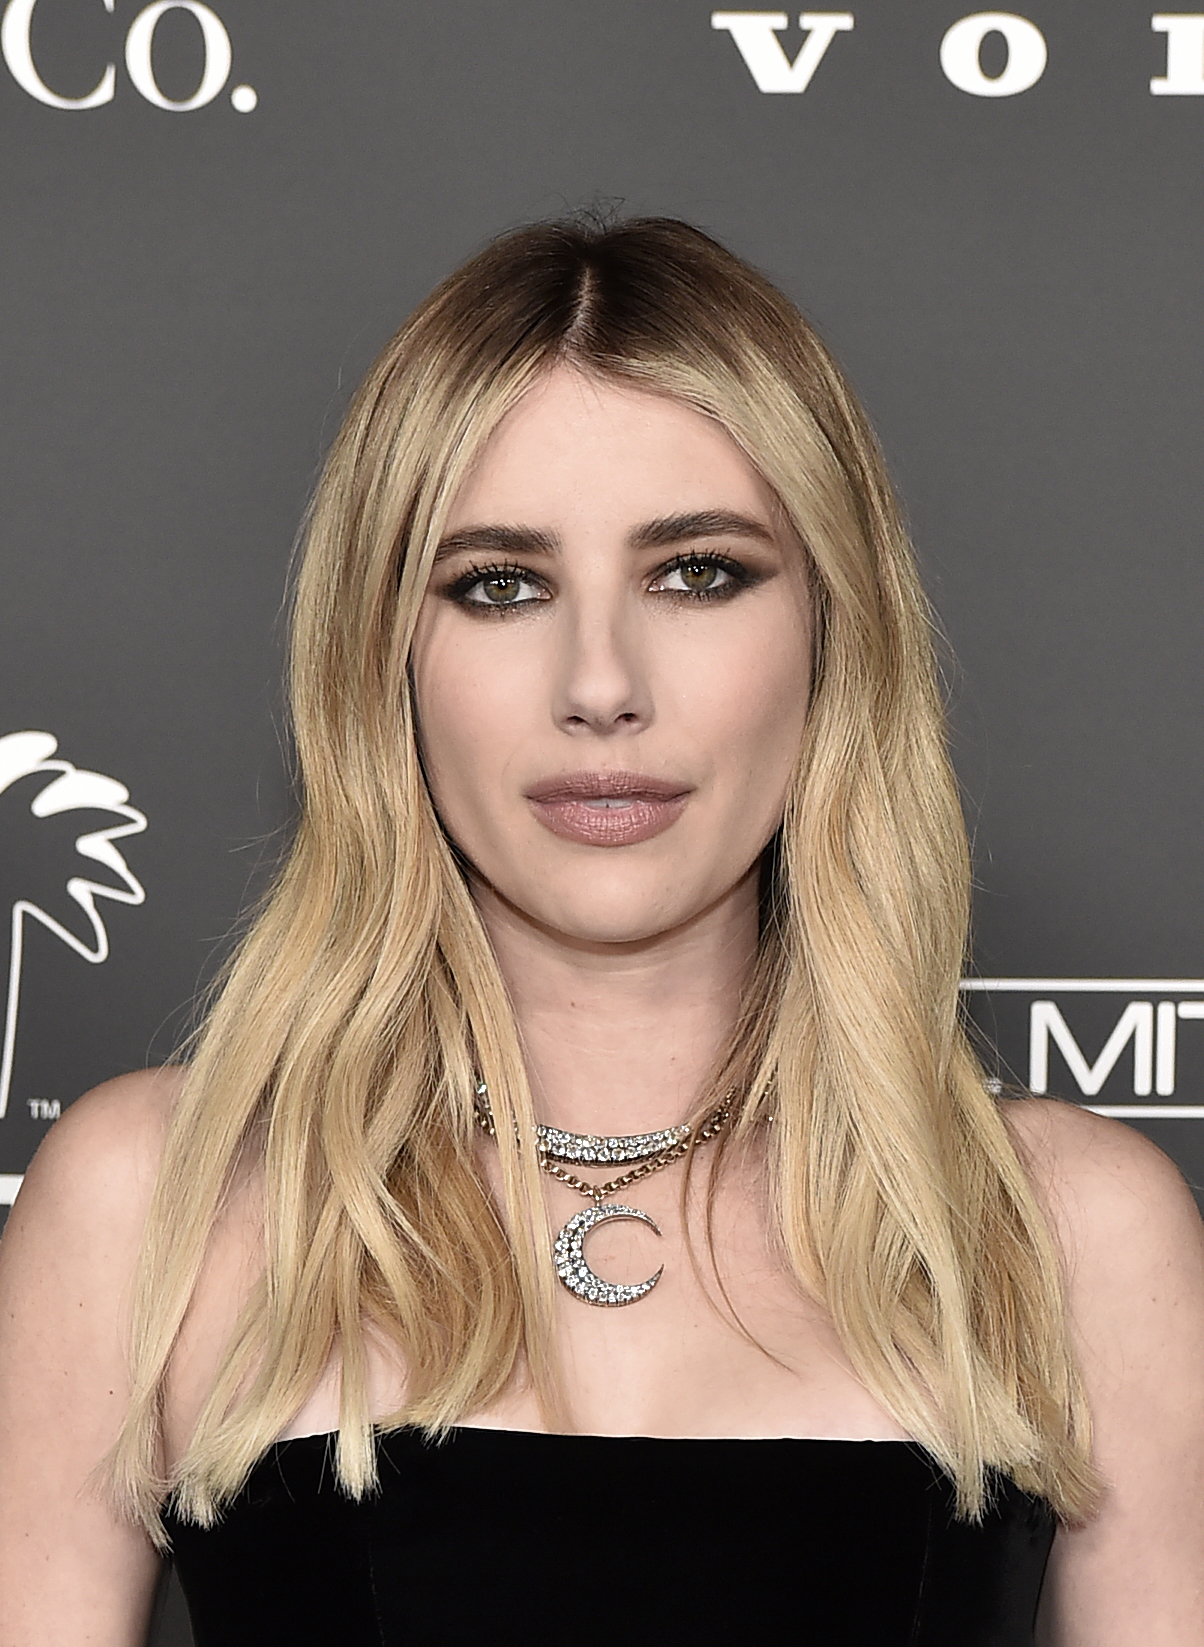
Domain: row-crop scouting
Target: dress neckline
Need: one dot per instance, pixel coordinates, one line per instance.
(331, 1436)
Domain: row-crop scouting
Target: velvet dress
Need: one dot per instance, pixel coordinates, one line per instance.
(512, 1536)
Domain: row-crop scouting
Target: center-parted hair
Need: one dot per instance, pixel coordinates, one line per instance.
(339, 1058)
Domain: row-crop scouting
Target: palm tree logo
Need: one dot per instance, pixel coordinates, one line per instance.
(78, 812)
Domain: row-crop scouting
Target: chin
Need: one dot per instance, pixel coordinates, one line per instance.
(607, 932)
(606, 914)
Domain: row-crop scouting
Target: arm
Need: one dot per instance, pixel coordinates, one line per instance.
(1134, 1247)
(72, 1571)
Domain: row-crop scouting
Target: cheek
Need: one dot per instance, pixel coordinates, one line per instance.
(749, 706)
(470, 707)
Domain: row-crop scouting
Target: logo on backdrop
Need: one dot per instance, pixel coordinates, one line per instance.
(57, 820)
(15, 46)
(1119, 1039)
(756, 36)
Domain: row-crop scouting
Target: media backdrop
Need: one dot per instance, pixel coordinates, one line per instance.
(214, 216)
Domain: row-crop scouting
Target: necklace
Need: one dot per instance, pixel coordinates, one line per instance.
(649, 1150)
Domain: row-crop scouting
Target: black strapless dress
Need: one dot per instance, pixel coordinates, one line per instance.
(499, 1536)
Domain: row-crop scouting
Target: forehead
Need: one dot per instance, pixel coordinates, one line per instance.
(578, 447)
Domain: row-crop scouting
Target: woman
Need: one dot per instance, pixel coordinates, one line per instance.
(628, 903)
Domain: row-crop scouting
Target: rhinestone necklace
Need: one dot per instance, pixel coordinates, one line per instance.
(650, 1150)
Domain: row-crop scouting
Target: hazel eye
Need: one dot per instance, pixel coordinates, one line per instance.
(500, 589)
(698, 575)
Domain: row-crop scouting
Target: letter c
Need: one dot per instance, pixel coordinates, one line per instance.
(14, 43)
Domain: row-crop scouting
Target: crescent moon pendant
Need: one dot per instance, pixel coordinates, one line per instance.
(576, 1274)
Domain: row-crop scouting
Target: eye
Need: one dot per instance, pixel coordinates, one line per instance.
(497, 588)
(702, 576)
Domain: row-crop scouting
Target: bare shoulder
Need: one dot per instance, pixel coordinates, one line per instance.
(1103, 1182)
(130, 1112)
(1134, 1248)
(74, 1233)
(101, 1159)
(72, 1567)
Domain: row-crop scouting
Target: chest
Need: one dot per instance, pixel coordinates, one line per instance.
(726, 1343)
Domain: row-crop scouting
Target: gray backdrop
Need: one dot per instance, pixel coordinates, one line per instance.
(999, 232)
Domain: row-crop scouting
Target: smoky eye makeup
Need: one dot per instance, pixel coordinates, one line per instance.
(692, 578)
(704, 576)
(497, 587)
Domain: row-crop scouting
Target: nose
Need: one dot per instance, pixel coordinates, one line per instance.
(603, 684)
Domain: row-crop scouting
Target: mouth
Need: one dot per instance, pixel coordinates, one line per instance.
(607, 808)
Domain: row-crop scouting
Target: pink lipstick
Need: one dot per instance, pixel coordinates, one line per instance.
(607, 808)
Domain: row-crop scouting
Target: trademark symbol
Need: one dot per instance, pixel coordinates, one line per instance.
(44, 1109)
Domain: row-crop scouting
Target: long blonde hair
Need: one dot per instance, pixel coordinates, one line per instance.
(341, 1053)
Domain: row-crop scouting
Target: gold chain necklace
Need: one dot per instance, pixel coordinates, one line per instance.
(650, 1150)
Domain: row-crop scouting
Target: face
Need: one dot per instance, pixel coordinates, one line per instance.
(611, 663)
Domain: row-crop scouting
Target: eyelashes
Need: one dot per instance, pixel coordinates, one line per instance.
(499, 586)
(487, 587)
(699, 575)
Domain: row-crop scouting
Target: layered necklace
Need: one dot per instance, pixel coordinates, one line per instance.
(649, 1150)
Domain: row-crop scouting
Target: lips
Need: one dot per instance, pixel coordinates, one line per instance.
(607, 808)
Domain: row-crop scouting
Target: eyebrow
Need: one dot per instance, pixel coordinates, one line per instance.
(497, 540)
(702, 523)
(652, 534)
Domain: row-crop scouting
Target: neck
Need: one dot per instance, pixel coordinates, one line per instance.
(620, 1038)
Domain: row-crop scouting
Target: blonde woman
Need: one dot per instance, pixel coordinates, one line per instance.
(582, 1212)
